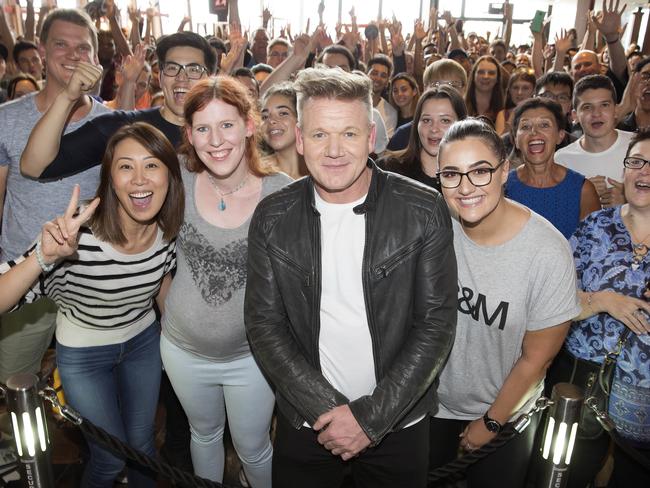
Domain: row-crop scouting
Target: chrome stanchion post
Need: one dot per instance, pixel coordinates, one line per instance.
(560, 435)
(27, 414)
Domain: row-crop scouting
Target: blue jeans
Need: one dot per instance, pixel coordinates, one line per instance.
(116, 388)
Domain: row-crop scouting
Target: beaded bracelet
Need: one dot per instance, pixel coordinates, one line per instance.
(41, 261)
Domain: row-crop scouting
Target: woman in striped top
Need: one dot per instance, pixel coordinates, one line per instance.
(104, 277)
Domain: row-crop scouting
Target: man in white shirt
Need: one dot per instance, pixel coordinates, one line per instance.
(599, 153)
(350, 301)
(380, 70)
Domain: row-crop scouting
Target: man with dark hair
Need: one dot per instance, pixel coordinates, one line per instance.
(600, 150)
(278, 51)
(246, 77)
(28, 59)
(261, 71)
(337, 55)
(640, 117)
(380, 70)
(354, 372)
(498, 49)
(461, 57)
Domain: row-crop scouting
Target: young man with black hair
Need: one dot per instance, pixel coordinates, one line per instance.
(599, 153)
(380, 71)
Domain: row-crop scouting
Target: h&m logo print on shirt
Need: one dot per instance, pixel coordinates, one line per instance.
(480, 308)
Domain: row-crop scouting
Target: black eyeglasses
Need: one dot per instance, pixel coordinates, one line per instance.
(193, 71)
(633, 162)
(558, 98)
(478, 177)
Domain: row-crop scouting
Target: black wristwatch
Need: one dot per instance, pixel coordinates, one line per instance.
(491, 424)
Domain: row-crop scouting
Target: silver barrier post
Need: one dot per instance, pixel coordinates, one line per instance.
(560, 435)
(25, 407)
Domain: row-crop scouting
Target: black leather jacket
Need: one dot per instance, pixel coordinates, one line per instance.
(409, 282)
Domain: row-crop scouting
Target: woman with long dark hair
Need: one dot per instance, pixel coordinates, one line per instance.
(437, 109)
(484, 92)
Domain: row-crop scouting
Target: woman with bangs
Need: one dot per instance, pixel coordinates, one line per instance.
(521, 85)
(204, 347)
(484, 91)
(279, 130)
(557, 193)
(104, 267)
(436, 111)
(516, 297)
(404, 95)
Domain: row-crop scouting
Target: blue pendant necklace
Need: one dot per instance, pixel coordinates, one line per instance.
(222, 204)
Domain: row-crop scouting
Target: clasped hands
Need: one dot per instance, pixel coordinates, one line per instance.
(340, 433)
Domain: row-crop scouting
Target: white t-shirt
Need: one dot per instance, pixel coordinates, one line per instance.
(607, 163)
(525, 284)
(389, 114)
(381, 138)
(345, 345)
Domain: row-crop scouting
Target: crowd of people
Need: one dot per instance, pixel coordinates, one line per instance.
(359, 251)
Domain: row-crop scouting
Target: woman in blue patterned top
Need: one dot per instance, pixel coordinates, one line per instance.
(613, 265)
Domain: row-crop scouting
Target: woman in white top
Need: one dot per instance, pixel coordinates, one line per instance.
(104, 277)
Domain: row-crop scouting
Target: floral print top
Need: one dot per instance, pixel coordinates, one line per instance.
(602, 250)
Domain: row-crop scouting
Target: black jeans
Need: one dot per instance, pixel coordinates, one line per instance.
(505, 467)
(400, 460)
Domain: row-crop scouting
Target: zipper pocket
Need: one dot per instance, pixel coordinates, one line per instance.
(385, 268)
(292, 265)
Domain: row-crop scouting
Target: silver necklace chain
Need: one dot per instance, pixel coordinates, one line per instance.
(222, 203)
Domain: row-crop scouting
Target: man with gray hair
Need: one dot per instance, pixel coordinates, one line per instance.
(350, 302)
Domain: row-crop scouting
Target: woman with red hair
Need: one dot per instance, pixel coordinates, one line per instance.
(204, 347)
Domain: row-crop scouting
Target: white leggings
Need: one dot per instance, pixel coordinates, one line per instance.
(207, 390)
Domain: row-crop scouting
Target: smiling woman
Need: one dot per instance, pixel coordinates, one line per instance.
(510, 324)
(122, 259)
(204, 346)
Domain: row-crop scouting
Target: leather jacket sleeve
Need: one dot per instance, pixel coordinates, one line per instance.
(430, 339)
(271, 340)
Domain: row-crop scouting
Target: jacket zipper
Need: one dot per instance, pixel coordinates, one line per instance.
(292, 265)
(374, 337)
(385, 268)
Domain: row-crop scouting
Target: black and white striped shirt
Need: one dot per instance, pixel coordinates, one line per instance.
(104, 296)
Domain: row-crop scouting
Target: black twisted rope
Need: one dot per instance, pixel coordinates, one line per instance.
(114, 444)
(452, 469)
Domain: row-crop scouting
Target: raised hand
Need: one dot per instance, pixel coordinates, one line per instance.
(59, 237)
(83, 79)
(608, 21)
(418, 30)
(133, 65)
(563, 43)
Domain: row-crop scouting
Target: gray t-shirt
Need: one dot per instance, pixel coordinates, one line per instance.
(527, 283)
(204, 309)
(30, 203)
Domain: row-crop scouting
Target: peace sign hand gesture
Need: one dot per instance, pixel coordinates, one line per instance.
(59, 237)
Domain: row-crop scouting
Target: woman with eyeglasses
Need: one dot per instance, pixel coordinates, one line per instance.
(436, 111)
(485, 92)
(610, 249)
(521, 85)
(516, 297)
(559, 194)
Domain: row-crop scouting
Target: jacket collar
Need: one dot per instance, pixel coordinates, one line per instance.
(376, 183)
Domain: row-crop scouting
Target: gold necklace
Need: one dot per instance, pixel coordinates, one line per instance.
(222, 204)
